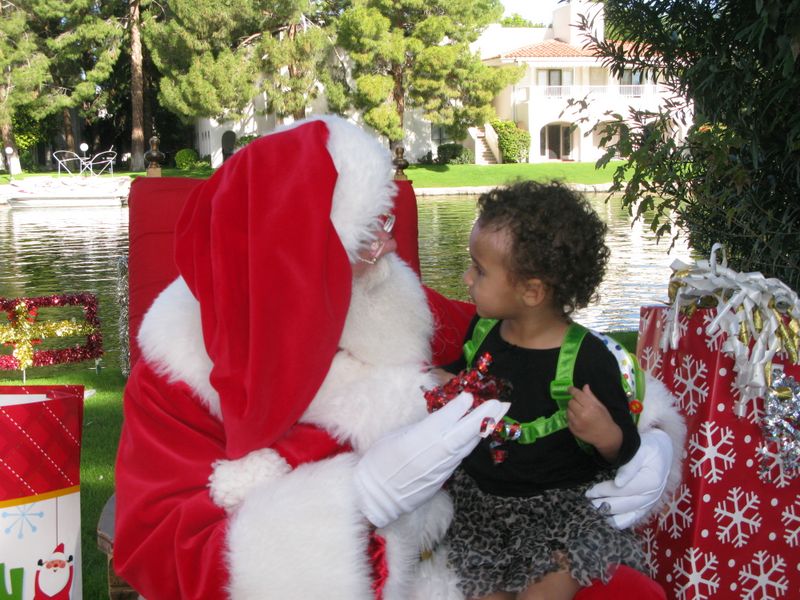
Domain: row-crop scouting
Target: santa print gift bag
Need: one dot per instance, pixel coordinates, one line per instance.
(40, 521)
(732, 529)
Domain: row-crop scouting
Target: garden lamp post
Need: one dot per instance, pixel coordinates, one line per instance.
(9, 151)
(85, 166)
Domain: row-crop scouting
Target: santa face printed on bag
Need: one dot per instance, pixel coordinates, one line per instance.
(54, 576)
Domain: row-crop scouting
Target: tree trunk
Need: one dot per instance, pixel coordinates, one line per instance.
(147, 98)
(66, 120)
(137, 90)
(399, 97)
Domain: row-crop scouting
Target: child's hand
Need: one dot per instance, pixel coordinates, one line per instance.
(441, 375)
(589, 420)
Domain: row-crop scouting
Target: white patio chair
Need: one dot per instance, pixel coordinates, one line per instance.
(101, 162)
(68, 161)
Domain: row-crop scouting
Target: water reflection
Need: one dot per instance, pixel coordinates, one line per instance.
(51, 251)
(638, 270)
(60, 250)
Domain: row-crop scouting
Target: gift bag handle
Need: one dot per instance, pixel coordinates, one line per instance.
(714, 248)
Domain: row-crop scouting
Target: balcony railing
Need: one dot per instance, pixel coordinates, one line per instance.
(557, 91)
(578, 91)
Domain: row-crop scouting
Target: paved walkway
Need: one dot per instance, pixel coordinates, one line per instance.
(67, 186)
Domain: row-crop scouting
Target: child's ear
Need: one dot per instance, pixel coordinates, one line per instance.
(534, 291)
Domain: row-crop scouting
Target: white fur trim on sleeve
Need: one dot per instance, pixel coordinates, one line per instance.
(171, 339)
(301, 536)
(660, 411)
(232, 480)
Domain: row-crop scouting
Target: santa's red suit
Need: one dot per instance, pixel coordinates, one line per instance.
(53, 579)
(268, 372)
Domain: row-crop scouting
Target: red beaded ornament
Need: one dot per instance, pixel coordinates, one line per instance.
(476, 381)
(483, 387)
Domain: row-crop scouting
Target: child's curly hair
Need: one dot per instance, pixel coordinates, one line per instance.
(556, 236)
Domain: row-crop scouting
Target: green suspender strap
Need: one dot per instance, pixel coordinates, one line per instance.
(559, 391)
(543, 426)
(479, 333)
(631, 375)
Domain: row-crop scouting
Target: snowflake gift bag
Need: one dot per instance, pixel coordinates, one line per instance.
(727, 348)
(40, 452)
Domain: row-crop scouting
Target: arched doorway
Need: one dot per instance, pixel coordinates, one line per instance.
(228, 144)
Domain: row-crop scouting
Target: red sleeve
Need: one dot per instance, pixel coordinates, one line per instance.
(451, 318)
(170, 538)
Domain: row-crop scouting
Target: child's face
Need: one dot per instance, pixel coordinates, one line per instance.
(488, 279)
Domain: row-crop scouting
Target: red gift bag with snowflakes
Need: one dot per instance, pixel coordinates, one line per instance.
(732, 530)
(40, 453)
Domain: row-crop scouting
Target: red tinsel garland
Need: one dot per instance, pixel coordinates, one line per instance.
(93, 348)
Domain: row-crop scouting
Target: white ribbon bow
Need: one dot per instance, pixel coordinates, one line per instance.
(748, 306)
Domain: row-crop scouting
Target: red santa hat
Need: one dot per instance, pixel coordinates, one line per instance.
(265, 246)
(58, 553)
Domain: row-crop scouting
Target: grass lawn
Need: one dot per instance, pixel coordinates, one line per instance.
(440, 175)
(424, 176)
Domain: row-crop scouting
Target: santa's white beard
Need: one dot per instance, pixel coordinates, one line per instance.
(52, 581)
(388, 321)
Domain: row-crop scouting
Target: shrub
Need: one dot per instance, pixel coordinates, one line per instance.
(454, 154)
(426, 159)
(243, 140)
(514, 143)
(186, 158)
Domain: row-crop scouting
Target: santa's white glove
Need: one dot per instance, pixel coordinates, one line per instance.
(638, 484)
(407, 467)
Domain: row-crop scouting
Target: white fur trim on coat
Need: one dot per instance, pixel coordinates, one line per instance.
(660, 411)
(232, 480)
(171, 340)
(301, 537)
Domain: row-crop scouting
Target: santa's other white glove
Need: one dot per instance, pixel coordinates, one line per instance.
(407, 467)
(638, 484)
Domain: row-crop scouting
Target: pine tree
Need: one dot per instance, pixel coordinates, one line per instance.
(216, 58)
(204, 51)
(416, 54)
(82, 40)
(23, 74)
(294, 58)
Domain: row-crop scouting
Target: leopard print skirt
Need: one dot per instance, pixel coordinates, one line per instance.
(506, 543)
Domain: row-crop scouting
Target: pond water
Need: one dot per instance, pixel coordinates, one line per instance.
(66, 250)
(638, 270)
(59, 250)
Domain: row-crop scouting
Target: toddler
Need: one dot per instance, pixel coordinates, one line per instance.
(523, 528)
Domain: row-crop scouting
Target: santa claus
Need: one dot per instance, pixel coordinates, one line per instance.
(54, 576)
(276, 442)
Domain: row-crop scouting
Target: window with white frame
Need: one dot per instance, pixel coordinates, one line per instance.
(632, 82)
(556, 83)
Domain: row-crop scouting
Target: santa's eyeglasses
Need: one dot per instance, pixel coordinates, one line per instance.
(386, 224)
